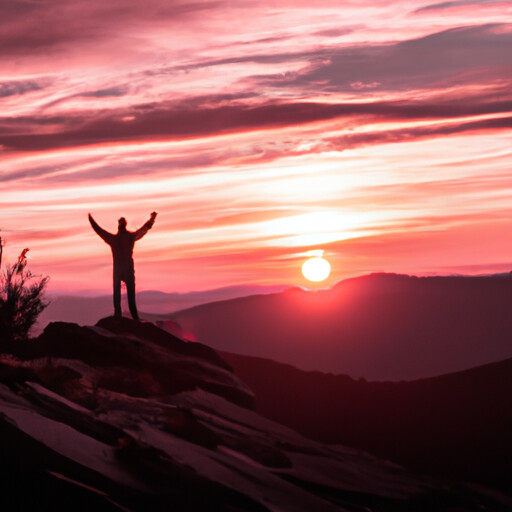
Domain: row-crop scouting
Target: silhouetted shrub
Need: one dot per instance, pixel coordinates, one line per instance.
(21, 301)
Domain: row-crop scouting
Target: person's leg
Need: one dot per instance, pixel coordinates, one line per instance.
(117, 296)
(130, 289)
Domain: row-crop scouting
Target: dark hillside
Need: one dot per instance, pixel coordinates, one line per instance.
(380, 327)
(456, 425)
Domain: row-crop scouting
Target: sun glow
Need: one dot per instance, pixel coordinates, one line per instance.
(316, 268)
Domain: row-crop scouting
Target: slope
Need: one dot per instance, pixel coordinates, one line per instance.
(457, 425)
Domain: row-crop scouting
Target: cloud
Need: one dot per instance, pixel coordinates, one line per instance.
(170, 121)
(30, 172)
(456, 3)
(29, 26)
(414, 134)
(259, 215)
(256, 58)
(451, 57)
(28, 236)
(18, 87)
(108, 92)
(334, 32)
(105, 93)
(102, 168)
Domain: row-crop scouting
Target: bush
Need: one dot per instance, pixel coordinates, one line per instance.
(21, 300)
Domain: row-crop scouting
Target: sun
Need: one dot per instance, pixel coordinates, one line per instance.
(316, 269)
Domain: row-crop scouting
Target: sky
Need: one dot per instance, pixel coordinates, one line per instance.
(378, 132)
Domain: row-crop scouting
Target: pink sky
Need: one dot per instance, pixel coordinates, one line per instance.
(377, 131)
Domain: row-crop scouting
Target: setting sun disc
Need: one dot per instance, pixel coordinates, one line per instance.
(316, 269)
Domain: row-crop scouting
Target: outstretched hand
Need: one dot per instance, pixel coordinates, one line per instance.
(153, 215)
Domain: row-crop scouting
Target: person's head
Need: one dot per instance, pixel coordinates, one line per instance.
(122, 224)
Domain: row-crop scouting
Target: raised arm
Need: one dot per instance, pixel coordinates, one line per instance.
(105, 235)
(146, 227)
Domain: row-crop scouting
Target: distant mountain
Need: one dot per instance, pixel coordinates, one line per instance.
(380, 327)
(123, 416)
(457, 425)
(88, 310)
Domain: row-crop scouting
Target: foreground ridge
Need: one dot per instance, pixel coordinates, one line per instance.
(124, 416)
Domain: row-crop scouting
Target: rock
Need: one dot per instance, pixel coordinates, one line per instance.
(140, 359)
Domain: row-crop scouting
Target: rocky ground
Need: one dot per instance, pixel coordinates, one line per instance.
(125, 416)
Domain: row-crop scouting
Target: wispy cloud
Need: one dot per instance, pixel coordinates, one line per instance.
(456, 3)
(378, 131)
(439, 60)
(18, 87)
(196, 118)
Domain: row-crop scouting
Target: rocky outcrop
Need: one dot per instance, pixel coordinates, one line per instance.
(140, 359)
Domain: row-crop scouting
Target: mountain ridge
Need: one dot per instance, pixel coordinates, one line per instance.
(380, 326)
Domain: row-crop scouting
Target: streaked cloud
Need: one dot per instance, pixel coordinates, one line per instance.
(440, 60)
(457, 3)
(378, 131)
(18, 87)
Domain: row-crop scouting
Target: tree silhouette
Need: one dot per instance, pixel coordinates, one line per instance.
(21, 299)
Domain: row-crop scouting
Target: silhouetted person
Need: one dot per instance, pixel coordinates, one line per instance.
(122, 253)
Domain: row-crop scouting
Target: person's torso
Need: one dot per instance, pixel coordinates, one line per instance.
(122, 247)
